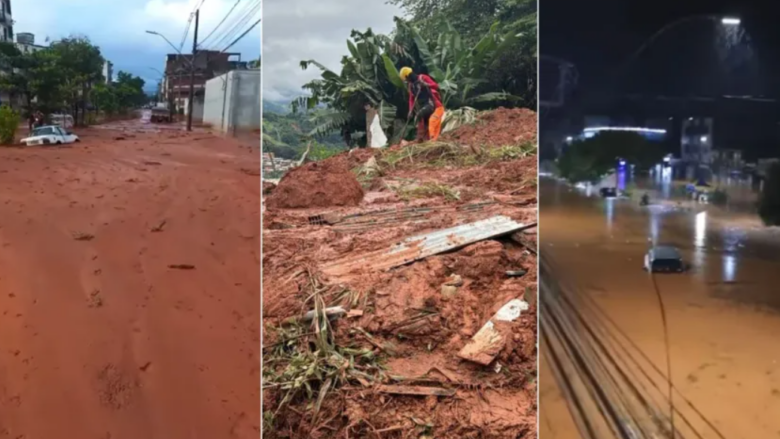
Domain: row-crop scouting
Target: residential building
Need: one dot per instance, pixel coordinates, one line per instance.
(6, 21)
(696, 142)
(25, 42)
(108, 72)
(728, 159)
(208, 64)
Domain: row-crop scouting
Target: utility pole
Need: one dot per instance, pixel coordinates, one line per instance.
(192, 72)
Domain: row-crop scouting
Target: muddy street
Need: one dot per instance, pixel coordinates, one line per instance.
(128, 286)
(723, 315)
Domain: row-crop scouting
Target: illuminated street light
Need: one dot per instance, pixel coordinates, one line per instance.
(730, 21)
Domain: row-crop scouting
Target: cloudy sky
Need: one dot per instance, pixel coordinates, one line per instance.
(118, 27)
(298, 30)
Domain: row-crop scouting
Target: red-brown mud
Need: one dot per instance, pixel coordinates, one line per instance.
(499, 127)
(317, 184)
(100, 337)
(415, 318)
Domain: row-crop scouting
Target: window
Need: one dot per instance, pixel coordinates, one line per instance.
(43, 131)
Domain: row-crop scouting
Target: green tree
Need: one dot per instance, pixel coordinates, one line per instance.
(18, 68)
(769, 201)
(82, 67)
(9, 123)
(591, 159)
(515, 70)
(369, 75)
(105, 99)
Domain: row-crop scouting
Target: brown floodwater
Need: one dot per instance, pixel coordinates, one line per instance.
(723, 315)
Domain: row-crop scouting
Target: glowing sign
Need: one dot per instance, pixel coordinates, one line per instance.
(632, 129)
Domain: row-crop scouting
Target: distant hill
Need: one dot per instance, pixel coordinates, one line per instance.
(278, 107)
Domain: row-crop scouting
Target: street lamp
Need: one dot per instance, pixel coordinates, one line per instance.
(151, 32)
(730, 21)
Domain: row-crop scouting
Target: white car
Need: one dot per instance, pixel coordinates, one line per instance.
(50, 135)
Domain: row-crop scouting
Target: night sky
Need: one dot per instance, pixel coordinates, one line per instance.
(696, 58)
(700, 58)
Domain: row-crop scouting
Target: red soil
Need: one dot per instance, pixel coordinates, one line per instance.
(100, 337)
(498, 128)
(487, 404)
(317, 184)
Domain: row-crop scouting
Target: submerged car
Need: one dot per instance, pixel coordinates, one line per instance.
(608, 192)
(664, 259)
(50, 135)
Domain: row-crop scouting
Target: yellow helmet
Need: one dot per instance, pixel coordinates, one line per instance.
(404, 73)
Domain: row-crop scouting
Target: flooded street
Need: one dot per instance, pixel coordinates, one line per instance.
(723, 315)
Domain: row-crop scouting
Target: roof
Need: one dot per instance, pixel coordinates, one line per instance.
(666, 252)
(421, 246)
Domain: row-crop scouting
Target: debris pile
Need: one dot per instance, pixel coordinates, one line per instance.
(317, 184)
(409, 312)
(499, 127)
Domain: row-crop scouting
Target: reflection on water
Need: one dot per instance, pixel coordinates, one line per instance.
(718, 250)
(729, 268)
(699, 239)
(655, 225)
(621, 175)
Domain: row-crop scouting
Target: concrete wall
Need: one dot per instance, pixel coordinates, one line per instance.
(197, 110)
(232, 101)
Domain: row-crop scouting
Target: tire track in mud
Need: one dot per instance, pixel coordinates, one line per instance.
(115, 344)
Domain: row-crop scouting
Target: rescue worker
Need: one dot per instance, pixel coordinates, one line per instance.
(425, 98)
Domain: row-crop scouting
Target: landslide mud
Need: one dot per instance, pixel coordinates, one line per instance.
(403, 317)
(128, 287)
(317, 184)
(499, 127)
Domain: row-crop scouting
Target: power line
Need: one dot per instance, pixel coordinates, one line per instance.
(241, 36)
(230, 22)
(189, 23)
(237, 24)
(221, 22)
(237, 29)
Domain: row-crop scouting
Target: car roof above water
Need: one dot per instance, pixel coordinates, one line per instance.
(665, 252)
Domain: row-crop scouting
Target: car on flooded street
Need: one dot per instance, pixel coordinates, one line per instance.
(50, 135)
(664, 259)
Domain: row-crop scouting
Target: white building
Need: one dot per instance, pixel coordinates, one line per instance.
(697, 140)
(108, 72)
(25, 42)
(6, 21)
(232, 102)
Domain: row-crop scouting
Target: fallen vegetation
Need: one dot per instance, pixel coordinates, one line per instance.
(357, 345)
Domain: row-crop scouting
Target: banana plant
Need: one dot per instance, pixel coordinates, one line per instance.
(369, 74)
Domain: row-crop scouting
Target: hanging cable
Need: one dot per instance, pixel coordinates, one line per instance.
(203, 42)
(241, 36)
(238, 24)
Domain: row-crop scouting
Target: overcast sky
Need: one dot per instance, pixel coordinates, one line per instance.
(298, 30)
(118, 27)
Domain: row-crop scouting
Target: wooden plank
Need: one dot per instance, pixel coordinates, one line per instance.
(485, 346)
(415, 390)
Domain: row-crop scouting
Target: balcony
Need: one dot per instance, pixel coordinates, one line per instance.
(5, 17)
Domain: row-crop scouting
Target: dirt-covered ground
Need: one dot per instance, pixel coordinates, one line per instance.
(128, 287)
(403, 327)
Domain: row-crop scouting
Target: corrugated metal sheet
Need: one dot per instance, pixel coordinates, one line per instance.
(421, 246)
